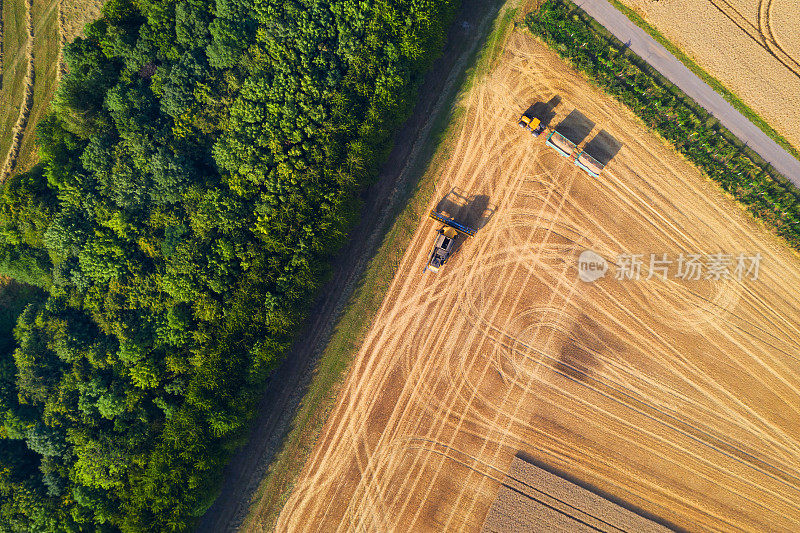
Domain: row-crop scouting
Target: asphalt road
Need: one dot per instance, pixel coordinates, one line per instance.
(671, 68)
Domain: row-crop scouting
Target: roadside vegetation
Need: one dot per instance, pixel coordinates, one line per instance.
(699, 137)
(201, 165)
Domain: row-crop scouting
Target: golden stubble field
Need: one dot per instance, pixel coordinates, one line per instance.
(681, 398)
(76, 15)
(751, 46)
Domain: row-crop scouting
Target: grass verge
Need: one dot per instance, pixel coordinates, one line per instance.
(713, 82)
(363, 306)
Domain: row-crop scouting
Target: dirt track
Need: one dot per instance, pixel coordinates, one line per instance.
(680, 398)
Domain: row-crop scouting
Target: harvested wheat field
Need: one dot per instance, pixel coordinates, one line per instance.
(679, 398)
(751, 46)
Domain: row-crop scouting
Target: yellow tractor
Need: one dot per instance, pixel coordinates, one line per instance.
(534, 125)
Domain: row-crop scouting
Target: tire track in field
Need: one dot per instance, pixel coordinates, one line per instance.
(729, 303)
(477, 174)
(355, 502)
(766, 31)
(760, 33)
(623, 395)
(459, 366)
(514, 344)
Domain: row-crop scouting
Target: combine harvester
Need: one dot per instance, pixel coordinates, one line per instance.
(589, 164)
(561, 144)
(445, 240)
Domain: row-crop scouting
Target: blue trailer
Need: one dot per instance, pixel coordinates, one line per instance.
(560, 144)
(589, 164)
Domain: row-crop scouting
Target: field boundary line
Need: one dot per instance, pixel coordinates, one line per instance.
(27, 102)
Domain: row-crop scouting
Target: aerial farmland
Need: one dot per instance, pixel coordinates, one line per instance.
(488, 266)
(679, 396)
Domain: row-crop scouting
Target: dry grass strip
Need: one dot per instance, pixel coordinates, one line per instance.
(1, 44)
(25, 110)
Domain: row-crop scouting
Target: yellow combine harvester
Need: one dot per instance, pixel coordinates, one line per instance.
(445, 240)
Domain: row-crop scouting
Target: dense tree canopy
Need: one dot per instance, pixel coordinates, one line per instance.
(200, 166)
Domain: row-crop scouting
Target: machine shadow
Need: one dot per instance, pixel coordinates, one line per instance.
(604, 147)
(474, 211)
(544, 111)
(576, 127)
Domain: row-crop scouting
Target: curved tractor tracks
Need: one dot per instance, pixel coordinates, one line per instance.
(666, 394)
(761, 32)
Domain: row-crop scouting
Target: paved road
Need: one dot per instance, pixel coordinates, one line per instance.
(675, 71)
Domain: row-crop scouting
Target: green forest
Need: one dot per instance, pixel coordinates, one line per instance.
(201, 164)
(692, 131)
